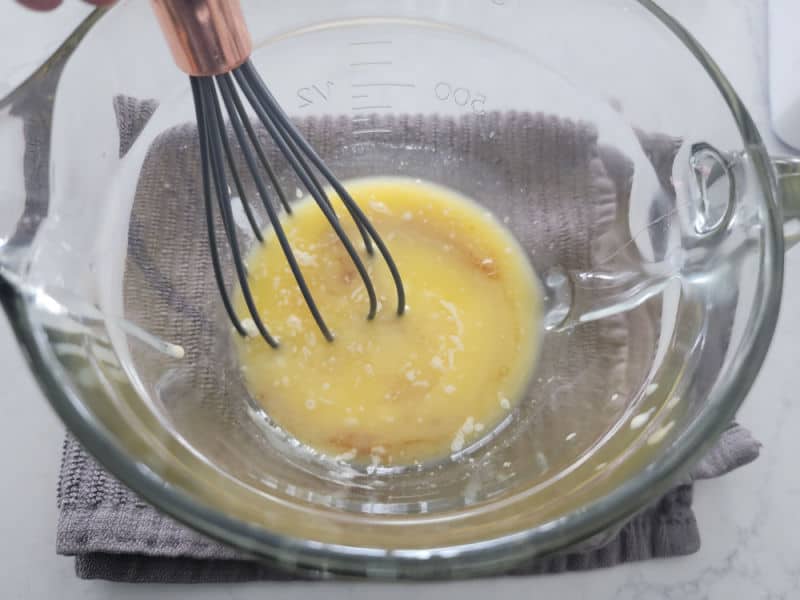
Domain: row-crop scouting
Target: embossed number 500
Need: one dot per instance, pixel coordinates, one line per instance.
(461, 96)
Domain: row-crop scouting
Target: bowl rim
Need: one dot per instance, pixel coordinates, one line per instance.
(313, 558)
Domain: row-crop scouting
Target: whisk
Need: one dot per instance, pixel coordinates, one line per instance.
(210, 42)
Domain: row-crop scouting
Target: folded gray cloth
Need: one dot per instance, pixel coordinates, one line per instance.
(116, 536)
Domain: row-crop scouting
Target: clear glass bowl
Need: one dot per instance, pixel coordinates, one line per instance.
(661, 295)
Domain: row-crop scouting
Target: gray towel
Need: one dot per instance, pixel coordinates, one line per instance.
(116, 536)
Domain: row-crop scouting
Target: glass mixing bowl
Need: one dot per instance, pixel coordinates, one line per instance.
(656, 233)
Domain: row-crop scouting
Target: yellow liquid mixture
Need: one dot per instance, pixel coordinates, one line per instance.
(395, 390)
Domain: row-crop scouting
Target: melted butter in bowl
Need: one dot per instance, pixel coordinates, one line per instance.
(395, 390)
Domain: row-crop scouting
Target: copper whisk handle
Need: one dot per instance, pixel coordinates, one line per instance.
(207, 37)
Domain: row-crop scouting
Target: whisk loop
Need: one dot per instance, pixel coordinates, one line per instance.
(210, 42)
(216, 150)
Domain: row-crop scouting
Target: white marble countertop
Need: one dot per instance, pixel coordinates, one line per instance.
(748, 519)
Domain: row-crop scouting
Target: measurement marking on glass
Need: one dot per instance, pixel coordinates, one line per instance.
(371, 43)
(361, 119)
(314, 94)
(383, 84)
(320, 92)
(357, 96)
(371, 63)
(373, 107)
(461, 96)
(371, 131)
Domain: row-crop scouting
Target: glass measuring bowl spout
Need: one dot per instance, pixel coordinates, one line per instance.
(27, 116)
(656, 232)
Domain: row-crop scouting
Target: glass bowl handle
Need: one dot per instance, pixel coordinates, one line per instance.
(573, 297)
(788, 172)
